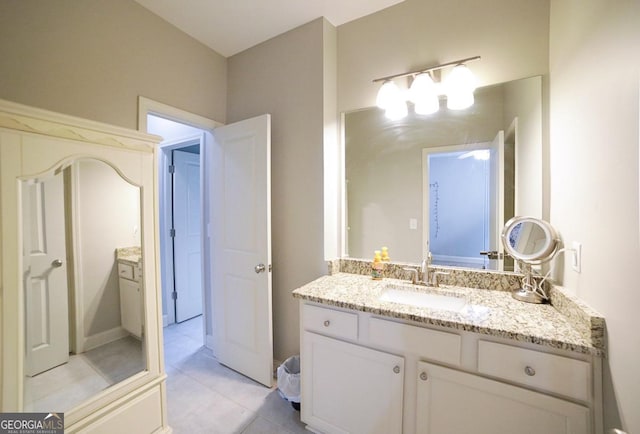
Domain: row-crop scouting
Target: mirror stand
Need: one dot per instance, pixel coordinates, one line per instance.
(531, 290)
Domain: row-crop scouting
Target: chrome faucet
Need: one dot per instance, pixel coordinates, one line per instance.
(425, 269)
(434, 278)
(414, 274)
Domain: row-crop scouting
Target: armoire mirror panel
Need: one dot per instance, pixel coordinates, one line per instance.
(75, 220)
(427, 180)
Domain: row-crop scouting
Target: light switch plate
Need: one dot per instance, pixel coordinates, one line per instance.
(413, 223)
(576, 259)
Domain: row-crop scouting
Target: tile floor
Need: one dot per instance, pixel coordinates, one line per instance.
(61, 388)
(205, 397)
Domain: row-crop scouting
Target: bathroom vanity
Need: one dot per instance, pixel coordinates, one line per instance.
(68, 188)
(130, 285)
(426, 365)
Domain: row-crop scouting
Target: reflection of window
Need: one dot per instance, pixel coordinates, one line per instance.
(514, 235)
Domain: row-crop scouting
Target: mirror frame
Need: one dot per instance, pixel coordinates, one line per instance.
(544, 254)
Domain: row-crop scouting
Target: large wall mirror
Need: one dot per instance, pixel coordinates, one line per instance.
(79, 304)
(445, 182)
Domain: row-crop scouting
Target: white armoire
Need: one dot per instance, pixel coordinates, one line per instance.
(55, 305)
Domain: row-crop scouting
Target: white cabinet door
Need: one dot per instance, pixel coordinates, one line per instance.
(454, 402)
(347, 388)
(131, 307)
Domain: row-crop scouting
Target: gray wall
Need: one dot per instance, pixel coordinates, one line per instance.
(92, 59)
(108, 217)
(284, 77)
(595, 82)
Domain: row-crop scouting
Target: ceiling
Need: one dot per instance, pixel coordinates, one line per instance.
(232, 26)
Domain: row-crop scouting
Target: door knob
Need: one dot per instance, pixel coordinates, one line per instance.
(56, 263)
(492, 254)
(260, 268)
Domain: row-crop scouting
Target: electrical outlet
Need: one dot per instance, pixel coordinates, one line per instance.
(576, 259)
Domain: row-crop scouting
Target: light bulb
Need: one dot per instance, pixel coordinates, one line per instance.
(459, 86)
(460, 78)
(424, 95)
(397, 110)
(460, 100)
(387, 94)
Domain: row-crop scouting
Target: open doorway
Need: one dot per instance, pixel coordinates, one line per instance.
(235, 176)
(180, 204)
(181, 129)
(182, 240)
(462, 215)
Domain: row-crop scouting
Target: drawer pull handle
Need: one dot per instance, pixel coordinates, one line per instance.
(396, 369)
(529, 371)
(423, 376)
(327, 323)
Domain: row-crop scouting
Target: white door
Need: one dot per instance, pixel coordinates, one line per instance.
(347, 388)
(489, 406)
(187, 241)
(241, 247)
(45, 279)
(496, 201)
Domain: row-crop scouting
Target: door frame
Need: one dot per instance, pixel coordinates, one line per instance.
(148, 106)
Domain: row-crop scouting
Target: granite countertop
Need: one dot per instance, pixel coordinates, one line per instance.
(129, 255)
(506, 317)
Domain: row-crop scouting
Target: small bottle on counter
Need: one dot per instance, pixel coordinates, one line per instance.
(377, 266)
(385, 254)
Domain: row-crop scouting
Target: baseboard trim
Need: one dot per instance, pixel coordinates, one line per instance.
(99, 339)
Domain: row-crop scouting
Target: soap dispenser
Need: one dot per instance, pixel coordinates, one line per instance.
(385, 254)
(377, 266)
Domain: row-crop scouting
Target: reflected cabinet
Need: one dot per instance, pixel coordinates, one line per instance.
(80, 328)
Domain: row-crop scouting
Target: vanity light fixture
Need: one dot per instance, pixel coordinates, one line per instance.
(424, 92)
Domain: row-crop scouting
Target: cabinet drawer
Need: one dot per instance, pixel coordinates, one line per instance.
(430, 344)
(330, 322)
(545, 371)
(125, 271)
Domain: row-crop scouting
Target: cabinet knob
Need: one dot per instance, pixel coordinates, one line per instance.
(56, 263)
(529, 371)
(327, 323)
(423, 376)
(396, 369)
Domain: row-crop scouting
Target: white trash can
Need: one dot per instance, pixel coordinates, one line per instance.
(288, 375)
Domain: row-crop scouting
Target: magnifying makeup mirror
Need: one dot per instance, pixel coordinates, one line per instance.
(531, 241)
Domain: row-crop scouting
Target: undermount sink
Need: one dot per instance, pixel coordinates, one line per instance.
(423, 299)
